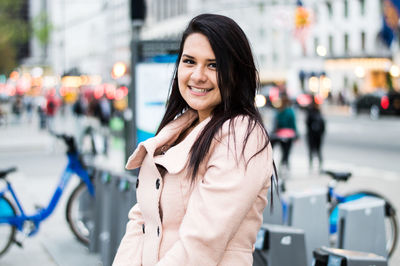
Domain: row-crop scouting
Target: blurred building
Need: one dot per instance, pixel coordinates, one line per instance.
(268, 24)
(330, 46)
(343, 44)
(37, 54)
(23, 50)
(87, 37)
(336, 51)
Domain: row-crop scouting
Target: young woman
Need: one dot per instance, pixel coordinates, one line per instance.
(204, 177)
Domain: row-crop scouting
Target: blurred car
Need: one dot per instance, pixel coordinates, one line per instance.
(378, 103)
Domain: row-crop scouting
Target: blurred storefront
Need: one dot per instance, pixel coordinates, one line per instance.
(330, 46)
(366, 74)
(345, 49)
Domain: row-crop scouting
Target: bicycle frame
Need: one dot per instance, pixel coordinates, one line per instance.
(74, 166)
(334, 216)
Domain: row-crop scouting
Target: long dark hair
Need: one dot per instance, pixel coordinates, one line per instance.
(237, 79)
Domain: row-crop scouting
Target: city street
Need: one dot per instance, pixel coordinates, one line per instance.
(104, 72)
(369, 149)
(364, 142)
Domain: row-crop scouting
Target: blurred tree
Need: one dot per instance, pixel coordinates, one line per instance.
(355, 89)
(13, 33)
(42, 29)
(7, 54)
(389, 82)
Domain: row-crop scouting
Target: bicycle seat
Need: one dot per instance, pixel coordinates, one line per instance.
(339, 176)
(5, 172)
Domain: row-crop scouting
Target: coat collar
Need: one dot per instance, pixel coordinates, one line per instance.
(178, 154)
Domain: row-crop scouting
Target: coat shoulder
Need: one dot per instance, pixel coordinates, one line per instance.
(242, 128)
(242, 137)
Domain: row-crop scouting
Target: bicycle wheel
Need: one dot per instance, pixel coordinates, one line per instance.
(80, 212)
(391, 232)
(391, 226)
(7, 231)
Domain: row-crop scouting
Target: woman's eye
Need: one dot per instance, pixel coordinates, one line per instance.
(213, 65)
(188, 61)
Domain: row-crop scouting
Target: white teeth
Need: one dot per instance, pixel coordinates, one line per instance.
(198, 90)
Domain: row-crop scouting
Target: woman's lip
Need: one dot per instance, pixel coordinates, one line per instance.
(198, 93)
(199, 88)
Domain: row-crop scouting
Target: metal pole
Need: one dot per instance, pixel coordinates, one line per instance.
(130, 118)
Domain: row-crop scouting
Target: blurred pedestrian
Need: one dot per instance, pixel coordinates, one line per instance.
(17, 108)
(29, 103)
(51, 109)
(41, 110)
(80, 110)
(80, 106)
(103, 111)
(204, 177)
(3, 116)
(315, 125)
(285, 129)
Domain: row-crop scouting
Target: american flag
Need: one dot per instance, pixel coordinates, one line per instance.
(302, 24)
(390, 28)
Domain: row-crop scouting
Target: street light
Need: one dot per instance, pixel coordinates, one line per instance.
(37, 72)
(321, 50)
(138, 15)
(359, 72)
(118, 70)
(260, 100)
(394, 71)
(313, 83)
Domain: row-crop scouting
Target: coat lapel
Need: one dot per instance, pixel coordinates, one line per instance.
(177, 157)
(166, 137)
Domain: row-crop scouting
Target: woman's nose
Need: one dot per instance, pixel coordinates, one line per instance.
(199, 75)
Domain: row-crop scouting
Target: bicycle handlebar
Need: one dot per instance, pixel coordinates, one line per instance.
(68, 140)
(5, 172)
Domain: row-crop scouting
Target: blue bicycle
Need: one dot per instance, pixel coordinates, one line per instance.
(14, 221)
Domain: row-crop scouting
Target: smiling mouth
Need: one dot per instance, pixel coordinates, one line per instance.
(199, 90)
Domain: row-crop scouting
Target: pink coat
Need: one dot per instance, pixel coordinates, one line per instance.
(212, 222)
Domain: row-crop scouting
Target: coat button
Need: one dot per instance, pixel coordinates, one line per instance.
(143, 228)
(158, 231)
(137, 183)
(158, 183)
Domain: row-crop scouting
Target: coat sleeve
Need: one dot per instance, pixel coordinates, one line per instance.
(130, 250)
(221, 200)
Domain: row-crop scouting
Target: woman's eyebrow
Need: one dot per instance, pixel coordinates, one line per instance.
(191, 57)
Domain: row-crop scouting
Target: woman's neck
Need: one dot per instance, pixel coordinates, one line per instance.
(187, 131)
(203, 116)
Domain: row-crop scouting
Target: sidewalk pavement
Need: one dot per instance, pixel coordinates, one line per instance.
(55, 245)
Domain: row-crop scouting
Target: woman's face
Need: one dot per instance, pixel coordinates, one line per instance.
(197, 75)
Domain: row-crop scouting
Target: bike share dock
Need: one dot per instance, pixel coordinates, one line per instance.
(361, 222)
